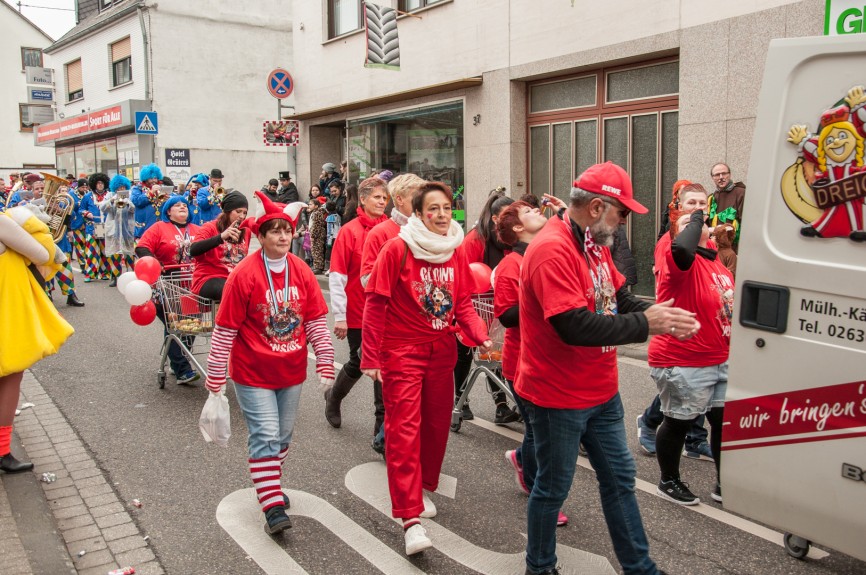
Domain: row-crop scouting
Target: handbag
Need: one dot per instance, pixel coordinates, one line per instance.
(215, 419)
(308, 244)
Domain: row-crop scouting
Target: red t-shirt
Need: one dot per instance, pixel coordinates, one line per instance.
(261, 355)
(707, 289)
(473, 247)
(556, 277)
(506, 295)
(377, 237)
(346, 260)
(219, 261)
(169, 243)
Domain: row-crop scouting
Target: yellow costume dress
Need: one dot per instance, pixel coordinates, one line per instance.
(30, 326)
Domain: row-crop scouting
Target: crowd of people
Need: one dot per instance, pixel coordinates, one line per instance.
(401, 289)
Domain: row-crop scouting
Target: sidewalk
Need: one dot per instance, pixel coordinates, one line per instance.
(44, 527)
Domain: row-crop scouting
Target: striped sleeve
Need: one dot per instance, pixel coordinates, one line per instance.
(320, 338)
(218, 358)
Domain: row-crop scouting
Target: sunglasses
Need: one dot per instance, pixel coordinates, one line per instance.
(623, 212)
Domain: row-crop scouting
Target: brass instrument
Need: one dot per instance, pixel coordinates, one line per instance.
(57, 205)
(218, 195)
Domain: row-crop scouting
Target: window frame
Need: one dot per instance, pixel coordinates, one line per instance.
(331, 27)
(41, 57)
(106, 4)
(401, 5)
(79, 94)
(114, 80)
(21, 126)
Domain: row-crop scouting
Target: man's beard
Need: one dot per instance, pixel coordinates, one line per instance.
(602, 235)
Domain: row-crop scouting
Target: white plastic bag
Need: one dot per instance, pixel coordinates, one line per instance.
(215, 421)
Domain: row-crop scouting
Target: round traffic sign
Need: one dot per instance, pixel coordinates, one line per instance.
(280, 83)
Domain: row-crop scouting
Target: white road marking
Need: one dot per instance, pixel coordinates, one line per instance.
(633, 361)
(707, 510)
(369, 482)
(240, 516)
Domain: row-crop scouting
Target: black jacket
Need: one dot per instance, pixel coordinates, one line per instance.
(288, 194)
(623, 258)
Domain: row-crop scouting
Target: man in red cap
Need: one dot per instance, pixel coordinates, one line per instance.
(574, 311)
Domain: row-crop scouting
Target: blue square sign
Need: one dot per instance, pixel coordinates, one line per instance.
(146, 123)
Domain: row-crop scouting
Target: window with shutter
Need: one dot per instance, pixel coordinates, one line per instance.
(74, 84)
(121, 62)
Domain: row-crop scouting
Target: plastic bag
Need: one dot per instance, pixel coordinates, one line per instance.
(215, 421)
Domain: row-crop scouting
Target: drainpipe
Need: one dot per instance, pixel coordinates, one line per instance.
(147, 94)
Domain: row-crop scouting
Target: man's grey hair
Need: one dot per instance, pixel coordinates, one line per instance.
(580, 197)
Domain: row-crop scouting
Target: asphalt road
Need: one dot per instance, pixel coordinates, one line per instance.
(147, 442)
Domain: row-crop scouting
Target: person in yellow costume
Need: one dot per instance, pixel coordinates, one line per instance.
(30, 326)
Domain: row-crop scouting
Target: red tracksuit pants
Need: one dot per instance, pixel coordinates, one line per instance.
(418, 389)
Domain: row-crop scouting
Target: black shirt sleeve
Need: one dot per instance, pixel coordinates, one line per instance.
(510, 317)
(143, 252)
(685, 244)
(205, 245)
(585, 328)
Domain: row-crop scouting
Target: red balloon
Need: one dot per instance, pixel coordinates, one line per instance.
(480, 277)
(143, 314)
(147, 269)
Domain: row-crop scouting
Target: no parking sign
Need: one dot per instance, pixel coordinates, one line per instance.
(280, 83)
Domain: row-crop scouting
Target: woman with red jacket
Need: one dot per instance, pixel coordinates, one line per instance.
(419, 285)
(272, 307)
(221, 245)
(347, 296)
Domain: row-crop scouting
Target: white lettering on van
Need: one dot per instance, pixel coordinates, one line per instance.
(818, 414)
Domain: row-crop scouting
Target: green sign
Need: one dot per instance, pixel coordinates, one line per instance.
(843, 17)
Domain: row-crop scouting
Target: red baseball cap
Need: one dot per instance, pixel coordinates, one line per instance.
(610, 180)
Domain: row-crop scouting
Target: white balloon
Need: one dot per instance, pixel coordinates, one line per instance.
(123, 281)
(493, 278)
(137, 292)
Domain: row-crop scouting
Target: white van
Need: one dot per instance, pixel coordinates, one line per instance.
(794, 436)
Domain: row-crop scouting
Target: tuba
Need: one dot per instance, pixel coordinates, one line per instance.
(57, 205)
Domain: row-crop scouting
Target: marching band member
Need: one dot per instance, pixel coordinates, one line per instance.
(272, 308)
(118, 213)
(76, 223)
(208, 199)
(64, 275)
(419, 285)
(96, 266)
(221, 245)
(147, 197)
(193, 185)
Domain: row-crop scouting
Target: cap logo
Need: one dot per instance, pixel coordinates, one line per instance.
(611, 189)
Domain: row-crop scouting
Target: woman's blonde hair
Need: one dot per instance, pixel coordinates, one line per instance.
(825, 131)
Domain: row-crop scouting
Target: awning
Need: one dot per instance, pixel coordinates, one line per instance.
(389, 99)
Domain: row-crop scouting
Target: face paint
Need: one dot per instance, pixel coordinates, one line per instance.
(429, 215)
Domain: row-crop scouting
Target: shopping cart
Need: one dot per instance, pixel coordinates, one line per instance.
(186, 314)
(488, 363)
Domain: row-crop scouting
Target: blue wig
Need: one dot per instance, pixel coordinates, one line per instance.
(168, 204)
(149, 172)
(200, 179)
(119, 181)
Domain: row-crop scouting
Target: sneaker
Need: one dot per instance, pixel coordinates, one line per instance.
(188, 377)
(416, 539)
(505, 414)
(378, 444)
(701, 452)
(511, 457)
(646, 436)
(581, 450)
(429, 508)
(561, 519)
(467, 414)
(717, 493)
(277, 520)
(677, 491)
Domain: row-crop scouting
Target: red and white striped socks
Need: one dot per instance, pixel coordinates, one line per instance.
(284, 454)
(266, 474)
(407, 523)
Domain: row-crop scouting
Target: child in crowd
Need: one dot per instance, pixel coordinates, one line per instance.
(333, 222)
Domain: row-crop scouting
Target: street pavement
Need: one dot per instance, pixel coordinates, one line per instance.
(198, 515)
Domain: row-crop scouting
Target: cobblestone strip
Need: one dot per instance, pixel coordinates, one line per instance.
(14, 556)
(89, 515)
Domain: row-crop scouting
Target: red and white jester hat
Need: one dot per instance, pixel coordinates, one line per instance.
(273, 211)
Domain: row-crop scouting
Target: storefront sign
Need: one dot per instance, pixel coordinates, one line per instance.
(844, 17)
(85, 123)
(39, 76)
(39, 96)
(40, 114)
(177, 158)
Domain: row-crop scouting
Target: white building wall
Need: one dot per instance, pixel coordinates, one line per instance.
(210, 62)
(17, 147)
(95, 53)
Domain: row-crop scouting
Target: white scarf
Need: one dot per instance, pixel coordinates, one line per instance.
(398, 217)
(430, 246)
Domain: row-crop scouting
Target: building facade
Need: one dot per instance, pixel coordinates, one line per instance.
(22, 46)
(528, 94)
(202, 67)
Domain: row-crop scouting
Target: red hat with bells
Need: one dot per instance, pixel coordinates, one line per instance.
(276, 211)
(833, 115)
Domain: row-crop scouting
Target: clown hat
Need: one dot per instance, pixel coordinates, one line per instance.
(273, 211)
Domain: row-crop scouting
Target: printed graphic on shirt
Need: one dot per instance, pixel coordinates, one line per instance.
(603, 292)
(183, 242)
(232, 254)
(435, 295)
(723, 286)
(281, 326)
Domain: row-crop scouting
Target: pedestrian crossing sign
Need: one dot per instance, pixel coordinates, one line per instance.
(146, 123)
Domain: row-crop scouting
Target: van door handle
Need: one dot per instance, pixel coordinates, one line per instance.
(764, 306)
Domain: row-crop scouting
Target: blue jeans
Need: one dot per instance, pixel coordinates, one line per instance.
(176, 359)
(526, 451)
(270, 416)
(558, 434)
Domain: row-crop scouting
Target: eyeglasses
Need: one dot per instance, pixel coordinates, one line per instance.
(623, 212)
(720, 174)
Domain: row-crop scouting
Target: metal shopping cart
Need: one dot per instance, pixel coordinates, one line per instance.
(186, 315)
(488, 364)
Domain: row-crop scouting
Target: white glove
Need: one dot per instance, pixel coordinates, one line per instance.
(325, 383)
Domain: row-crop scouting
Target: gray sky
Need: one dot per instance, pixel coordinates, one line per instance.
(55, 23)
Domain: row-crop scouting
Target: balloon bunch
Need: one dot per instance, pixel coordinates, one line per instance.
(135, 287)
(482, 277)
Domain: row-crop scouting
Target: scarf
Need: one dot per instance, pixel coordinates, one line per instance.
(367, 221)
(398, 217)
(430, 246)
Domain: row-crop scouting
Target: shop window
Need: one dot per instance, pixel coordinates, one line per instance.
(409, 5)
(344, 16)
(106, 156)
(121, 62)
(85, 158)
(576, 93)
(31, 57)
(65, 161)
(644, 82)
(74, 84)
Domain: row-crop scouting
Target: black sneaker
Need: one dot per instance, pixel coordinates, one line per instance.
(467, 414)
(505, 414)
(717, 493)
(277, 520)
(677, 491)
